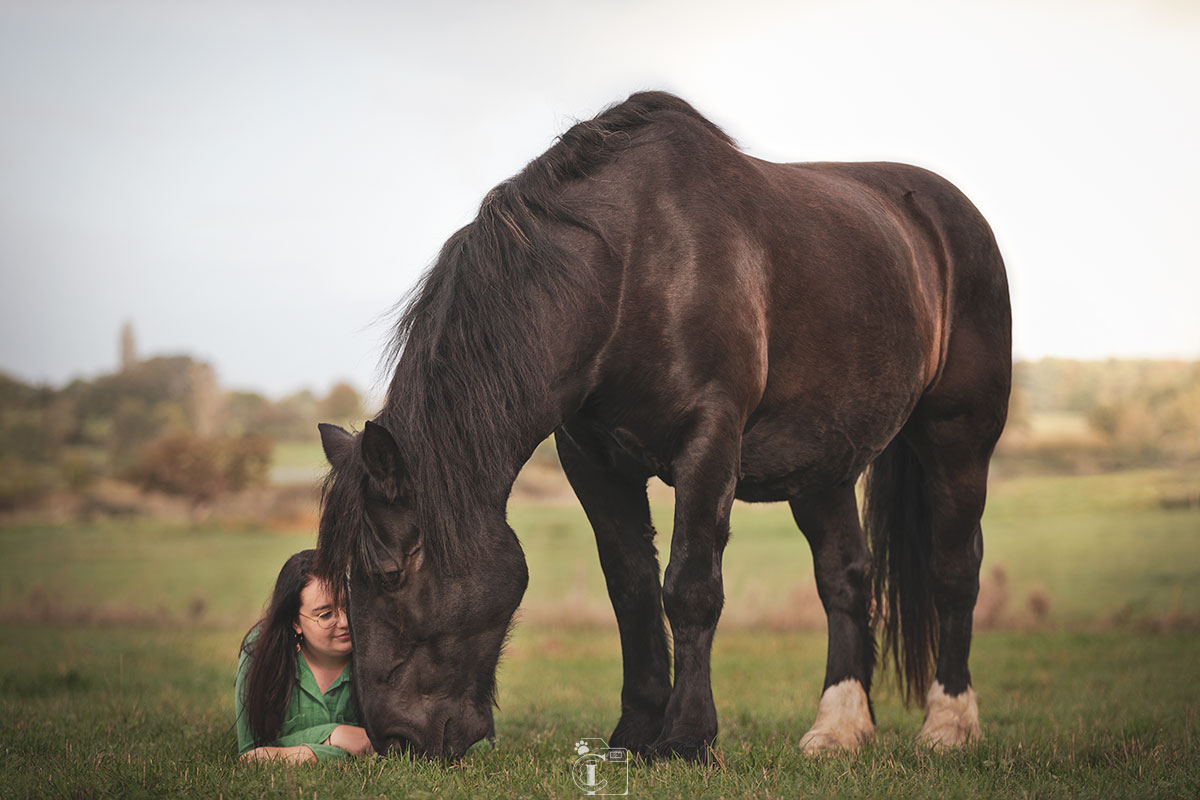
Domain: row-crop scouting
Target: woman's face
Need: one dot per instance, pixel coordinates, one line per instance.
(316, 611)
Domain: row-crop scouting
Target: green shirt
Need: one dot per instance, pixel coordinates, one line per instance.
(311, 715)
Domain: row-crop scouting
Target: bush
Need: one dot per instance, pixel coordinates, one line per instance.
(202, 468)
(23, 483)
(79, 471)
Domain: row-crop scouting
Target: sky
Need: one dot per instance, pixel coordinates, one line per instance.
(257, 184)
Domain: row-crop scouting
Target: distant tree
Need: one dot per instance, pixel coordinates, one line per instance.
(204, 399)
(15, 393)
(32, 426)
(152, 381)
(78, 470)
(22, 482)
(133, 425)
(294, 418)
(246, 461)
(1019, 410)
(23, 437)
(59, 418)
(342, 405)
(245, 412)
(1155, 416)
(203, 468)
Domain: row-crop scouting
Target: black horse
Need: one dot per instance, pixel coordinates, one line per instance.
(669, 306)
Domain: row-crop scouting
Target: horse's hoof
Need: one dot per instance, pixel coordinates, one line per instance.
(820, 743)
(636, 733)
(695, 750)
(950, 722)
(843, 720)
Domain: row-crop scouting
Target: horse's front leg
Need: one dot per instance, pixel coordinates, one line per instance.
(842, 564)
(616, 506)
(705, 478)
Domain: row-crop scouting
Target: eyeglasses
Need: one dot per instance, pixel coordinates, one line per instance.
(325, 620)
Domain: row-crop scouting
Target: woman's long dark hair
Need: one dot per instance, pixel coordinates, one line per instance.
(273, 653)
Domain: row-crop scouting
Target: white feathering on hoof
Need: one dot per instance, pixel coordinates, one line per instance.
(949, 721)
(843, 719)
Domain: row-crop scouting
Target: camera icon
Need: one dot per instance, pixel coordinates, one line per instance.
(600, 769)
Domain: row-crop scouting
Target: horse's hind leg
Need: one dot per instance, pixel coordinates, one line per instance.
(841, 562)
(617, 508)
(951, 713)
(952, 716)
(954, 431)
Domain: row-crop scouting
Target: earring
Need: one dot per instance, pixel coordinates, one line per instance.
(299, 638)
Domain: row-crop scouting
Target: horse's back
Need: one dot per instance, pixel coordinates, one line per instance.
(868, 265)
(814, 299)
(936, 211)
(962, 265)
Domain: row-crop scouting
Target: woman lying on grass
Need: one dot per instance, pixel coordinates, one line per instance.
(294, 698)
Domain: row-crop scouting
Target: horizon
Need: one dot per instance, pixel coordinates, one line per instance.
(373, 393)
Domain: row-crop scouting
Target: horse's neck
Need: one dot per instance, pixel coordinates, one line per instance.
(519, 447)
(486, 413)
(509, 448)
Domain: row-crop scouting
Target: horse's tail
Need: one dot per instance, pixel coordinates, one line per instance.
(896, 516)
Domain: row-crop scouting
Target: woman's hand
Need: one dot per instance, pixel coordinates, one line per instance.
(292, 755)
(352, 739)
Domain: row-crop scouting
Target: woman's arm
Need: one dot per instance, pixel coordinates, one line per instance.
(330, 740)
(245, 737)
(299, 754)
(316, 738)
(318, 743)
(296, 752)
(352, 739)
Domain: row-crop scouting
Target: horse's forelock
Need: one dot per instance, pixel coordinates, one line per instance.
(346, 539)
(339, 538)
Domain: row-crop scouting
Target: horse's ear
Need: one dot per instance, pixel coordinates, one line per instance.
(382, 458)
(336, 443)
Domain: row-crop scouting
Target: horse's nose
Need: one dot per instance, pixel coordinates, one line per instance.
(462, 732)
(394, 744)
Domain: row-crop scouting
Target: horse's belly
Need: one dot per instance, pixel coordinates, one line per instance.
(789, 466)
(790, 451)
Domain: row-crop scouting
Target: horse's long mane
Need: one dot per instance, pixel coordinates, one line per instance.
(471, 347)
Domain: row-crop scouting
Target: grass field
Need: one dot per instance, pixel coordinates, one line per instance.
(1097, 549)
(118, 650)
(145, 711)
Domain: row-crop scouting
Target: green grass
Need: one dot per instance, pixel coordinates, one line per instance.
(134, 571)
(1103, 547)
(1100, 549)
(117, 660)
(145, 711)
(297, 462)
